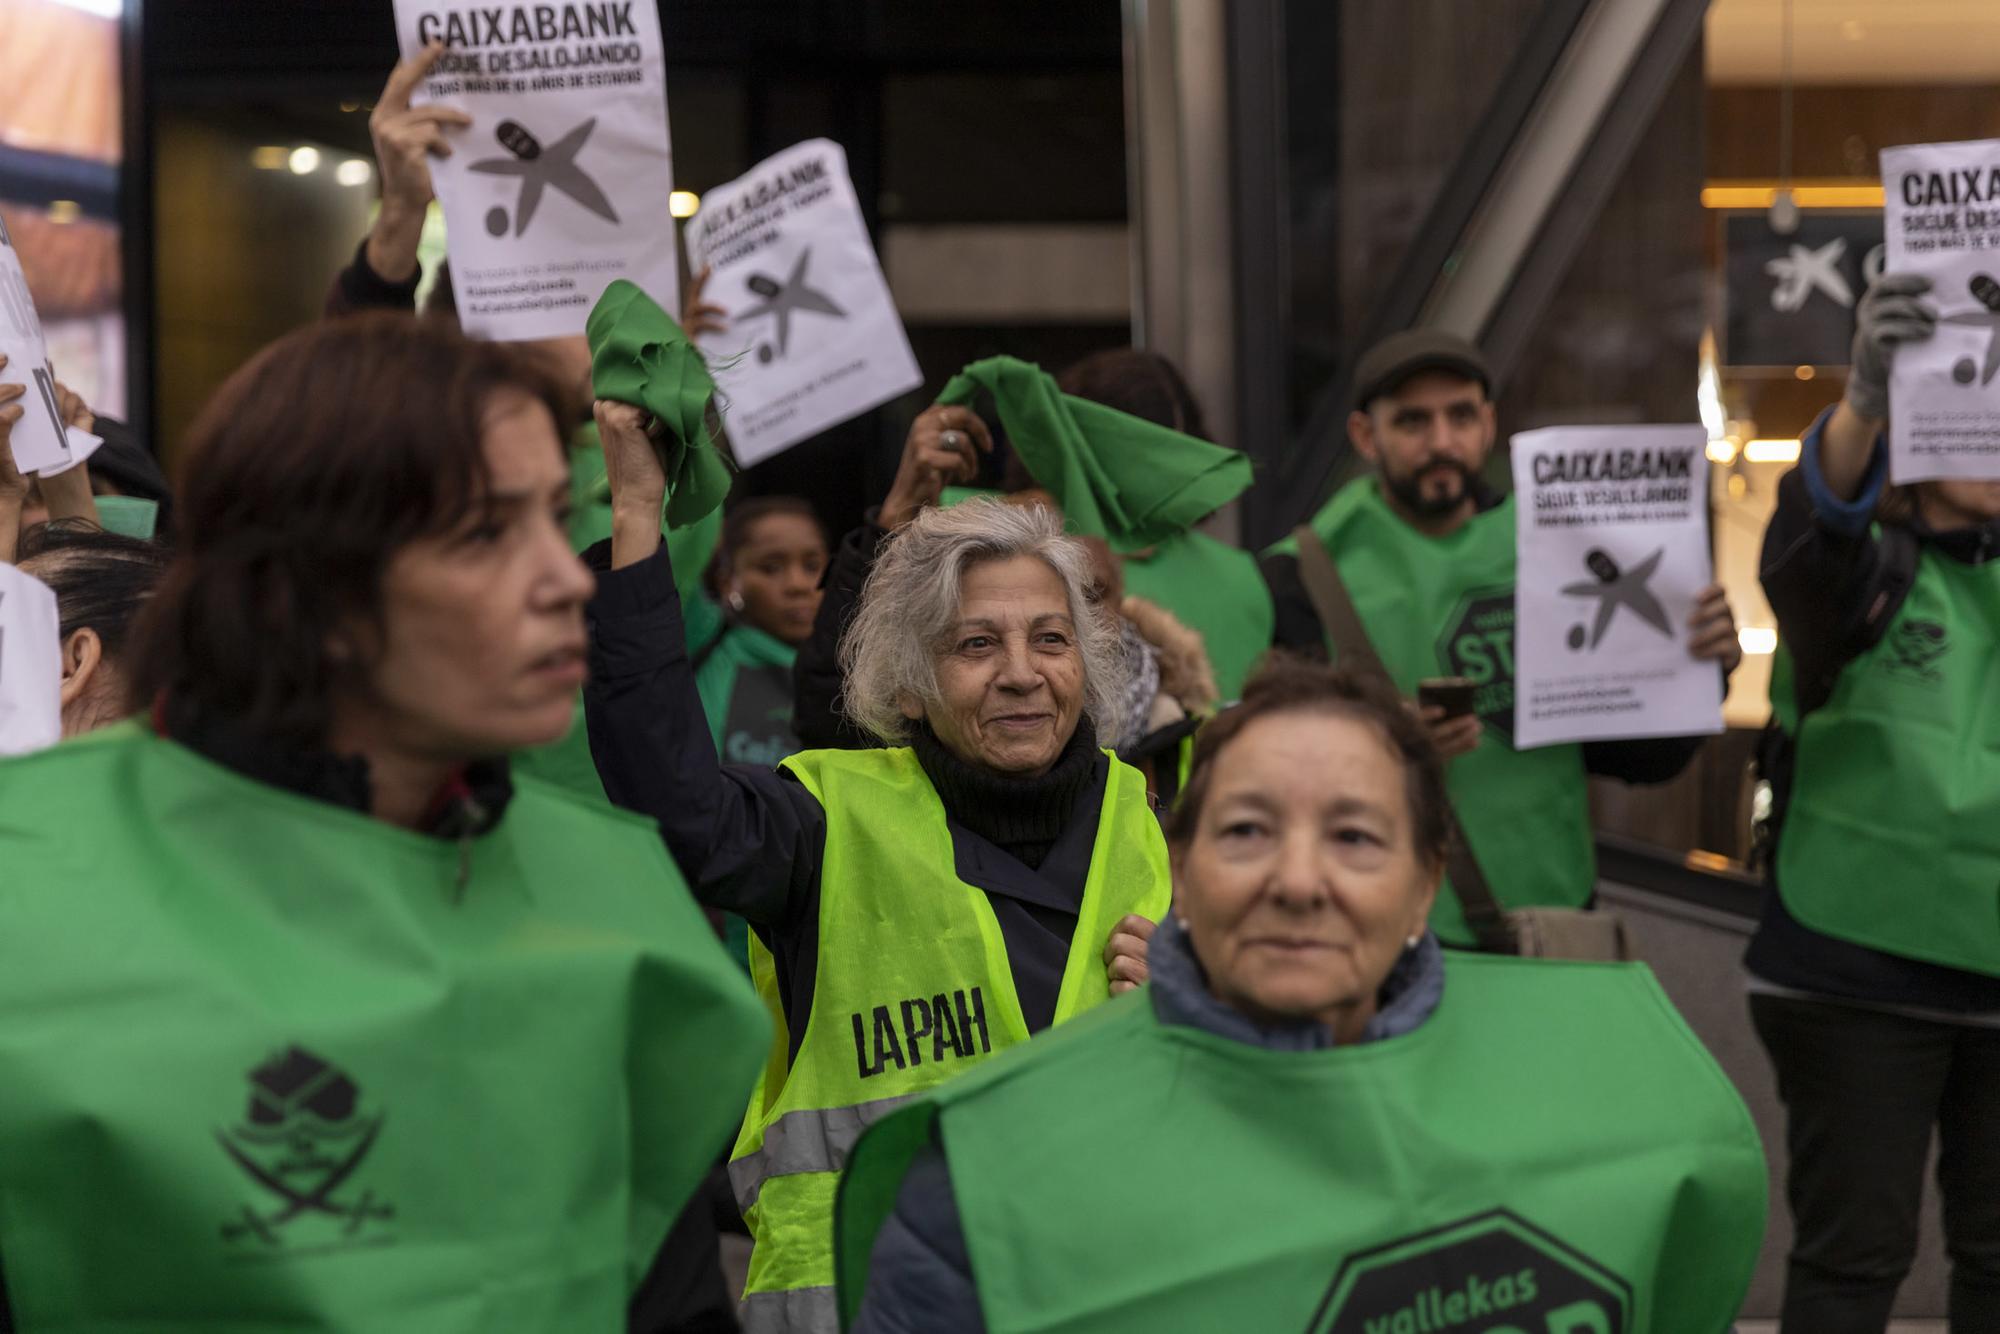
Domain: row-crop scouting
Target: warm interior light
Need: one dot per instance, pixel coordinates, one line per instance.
(354, 171)
(304, 160)
(683, 203)
(270, 157)
(1722, 450)
(1759, 195)
(1757, 639)
(64, 210)
(1772, 451)
(1804, 372)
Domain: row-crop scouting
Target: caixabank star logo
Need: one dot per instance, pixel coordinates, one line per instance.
(1491, 1273)
(1478, 644)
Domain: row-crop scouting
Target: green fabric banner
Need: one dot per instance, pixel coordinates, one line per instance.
(1892, 837)
(266, 1063)
(1115, 476)
(639, 355)
(1552, 1150)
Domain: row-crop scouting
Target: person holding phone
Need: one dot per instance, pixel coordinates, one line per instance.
(1427, 552)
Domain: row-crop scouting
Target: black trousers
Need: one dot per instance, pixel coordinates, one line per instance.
(1863, 1092)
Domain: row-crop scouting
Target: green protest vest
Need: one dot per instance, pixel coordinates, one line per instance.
(1214, 588)
(1552, 1152)
(745, 684)
(1892, 836)
(269, 1063)
(1444, 606)
(913, 988)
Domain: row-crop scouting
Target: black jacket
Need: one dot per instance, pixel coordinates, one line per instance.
(1821, 569)
(816, 716)
(752, 840)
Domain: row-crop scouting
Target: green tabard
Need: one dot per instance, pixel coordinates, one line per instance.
(1892, 836)
(270, 1064)
(1553, 1152)
(745, 685)
(1214, 588)
(1444, 606)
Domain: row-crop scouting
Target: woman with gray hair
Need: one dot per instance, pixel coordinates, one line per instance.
(988, 871)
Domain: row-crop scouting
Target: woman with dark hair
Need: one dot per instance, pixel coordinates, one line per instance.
(312, 1017)
(1310, 1118)
(101, 580)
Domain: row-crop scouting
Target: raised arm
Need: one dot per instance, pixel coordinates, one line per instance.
(748, 839)
(1892, 312)
(385, 270)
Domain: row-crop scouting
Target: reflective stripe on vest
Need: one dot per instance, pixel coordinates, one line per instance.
(808, 1140)
(791, 1311)
(913, 986)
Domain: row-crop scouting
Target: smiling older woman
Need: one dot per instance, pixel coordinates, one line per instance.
(916, 907)
(1310, 1120)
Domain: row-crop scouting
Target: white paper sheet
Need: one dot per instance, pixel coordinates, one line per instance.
(561, 183)
(813, 336)
(38, 440)
(1612, 551)
(30, 664)
(1941, 218)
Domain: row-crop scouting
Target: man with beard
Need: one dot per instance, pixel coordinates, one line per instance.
(1426, 552)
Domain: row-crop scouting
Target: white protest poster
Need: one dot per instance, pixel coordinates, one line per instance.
(1941, 219)
(39, 440)
(561, 183)
(1612, 550)
(813, 336)
(30, 664)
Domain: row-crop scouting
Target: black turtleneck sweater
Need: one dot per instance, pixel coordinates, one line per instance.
(1023, 817)
(752, 840)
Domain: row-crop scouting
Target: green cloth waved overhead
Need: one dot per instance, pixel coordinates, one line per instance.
(639, 355)
(1115, 476)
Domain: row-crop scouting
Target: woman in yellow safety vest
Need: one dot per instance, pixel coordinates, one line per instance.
(918, 906)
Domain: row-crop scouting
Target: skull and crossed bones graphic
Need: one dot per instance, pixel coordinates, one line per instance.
(301, 1139)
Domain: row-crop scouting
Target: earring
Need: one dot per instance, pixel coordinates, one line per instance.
(735, 600)
(1412, 942)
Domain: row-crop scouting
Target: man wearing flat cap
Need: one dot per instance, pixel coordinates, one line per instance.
(1425, 551)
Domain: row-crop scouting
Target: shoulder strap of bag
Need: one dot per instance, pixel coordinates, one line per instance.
(1342, 622)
